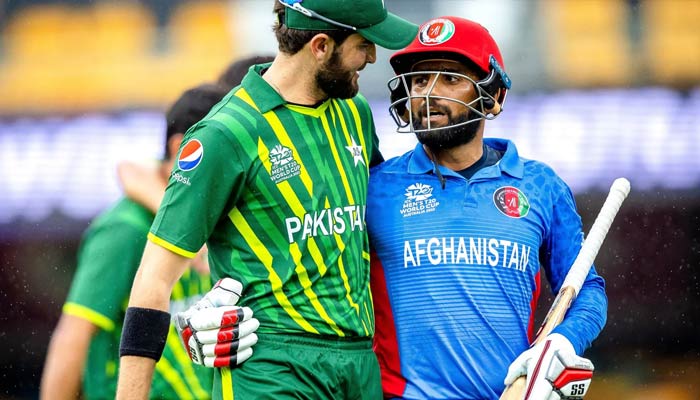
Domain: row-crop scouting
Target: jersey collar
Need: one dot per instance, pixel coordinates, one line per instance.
(264, 96)
(510, 164)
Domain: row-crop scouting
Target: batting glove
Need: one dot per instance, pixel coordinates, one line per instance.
(554, 371)
(216, 332)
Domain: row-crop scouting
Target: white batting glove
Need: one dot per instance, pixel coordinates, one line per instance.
(216, 332)
(554, 371)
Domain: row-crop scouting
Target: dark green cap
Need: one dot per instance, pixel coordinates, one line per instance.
(368, 17)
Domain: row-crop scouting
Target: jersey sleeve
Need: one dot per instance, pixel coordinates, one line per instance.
(107, 263)
(587, 315)
(203, 185)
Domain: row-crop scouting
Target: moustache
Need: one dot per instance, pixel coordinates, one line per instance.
(436, 109)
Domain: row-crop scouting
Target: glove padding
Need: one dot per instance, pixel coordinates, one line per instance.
(216, 332)
(554, 371)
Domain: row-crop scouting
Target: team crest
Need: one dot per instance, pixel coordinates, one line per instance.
(190, 155)
(436, 32)
(284, 166)
(419, 200)
(511, 202)
(356, 151)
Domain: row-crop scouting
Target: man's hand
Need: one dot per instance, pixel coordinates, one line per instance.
(553, 370)
(216, 332)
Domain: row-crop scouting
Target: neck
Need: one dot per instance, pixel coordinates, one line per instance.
(290, 77)
(460, 157)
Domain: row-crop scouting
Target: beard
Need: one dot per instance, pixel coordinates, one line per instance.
(335, 80)
(449, 137)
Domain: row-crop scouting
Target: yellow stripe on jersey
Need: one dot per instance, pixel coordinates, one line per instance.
(358, 124)
(313, 112)
(343, 274)
(306, 284)
(88, 314)
(294, 202)
(186, 366)
(281, 134)
(336, 157)
(171, 376)
(177, 250)
(346, 132)
(266, 259)
(226, 384)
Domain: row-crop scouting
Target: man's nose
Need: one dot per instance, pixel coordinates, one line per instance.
(372, 54)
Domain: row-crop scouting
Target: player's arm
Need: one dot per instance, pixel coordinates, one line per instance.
(147, 322)
(553, 367)
(141, 183)
(585, 319)
(65, 359)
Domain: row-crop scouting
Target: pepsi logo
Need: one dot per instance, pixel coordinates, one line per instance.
(190, 155)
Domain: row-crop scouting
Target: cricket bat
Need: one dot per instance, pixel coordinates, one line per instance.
(577, 274)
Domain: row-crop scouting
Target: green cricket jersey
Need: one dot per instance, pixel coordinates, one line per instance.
(109, 256)
(278, 192)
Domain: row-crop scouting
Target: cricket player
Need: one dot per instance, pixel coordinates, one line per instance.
(462, 227)
(274, 180)
(85, 345)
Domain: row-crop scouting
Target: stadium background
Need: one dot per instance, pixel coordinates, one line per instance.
(602, 88)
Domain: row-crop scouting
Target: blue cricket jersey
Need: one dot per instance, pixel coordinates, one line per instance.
(459, 270)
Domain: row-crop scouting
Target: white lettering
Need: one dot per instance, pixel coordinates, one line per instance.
(434, 254)
(505, 244)
(419, 251)
(293, 226)
(493, 249)
(475, 251)
(308, 226)
(326, 222)
(319, 223)
(408, 255)
(448, 249)
(339, 226)
(478, 251)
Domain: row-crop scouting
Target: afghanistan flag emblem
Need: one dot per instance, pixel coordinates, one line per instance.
(511, 201)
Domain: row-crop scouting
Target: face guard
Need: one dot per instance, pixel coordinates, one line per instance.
(401, 109)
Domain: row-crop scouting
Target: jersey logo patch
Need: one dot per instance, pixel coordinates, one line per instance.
(356, 152)
(191, 155)
(511, 202)
(436, 32)
(284, 166)
(419, 200)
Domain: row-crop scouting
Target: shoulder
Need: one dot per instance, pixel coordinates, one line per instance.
(360, 103)
(393, 165)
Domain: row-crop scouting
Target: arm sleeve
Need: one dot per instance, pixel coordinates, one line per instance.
(199, 192)
(588, 313)
(107, 263)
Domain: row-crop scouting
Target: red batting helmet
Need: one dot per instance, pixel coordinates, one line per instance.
(458, 39)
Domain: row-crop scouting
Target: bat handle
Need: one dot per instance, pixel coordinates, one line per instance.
(515, 391)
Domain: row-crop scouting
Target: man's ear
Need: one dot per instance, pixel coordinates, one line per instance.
(495, 107)
(321, 47)
(174, 142)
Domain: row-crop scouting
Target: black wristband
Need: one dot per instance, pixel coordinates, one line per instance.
(144, 333)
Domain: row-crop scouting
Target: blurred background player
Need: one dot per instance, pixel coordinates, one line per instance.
(461, 226)
(85, 344)
(249, 175)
